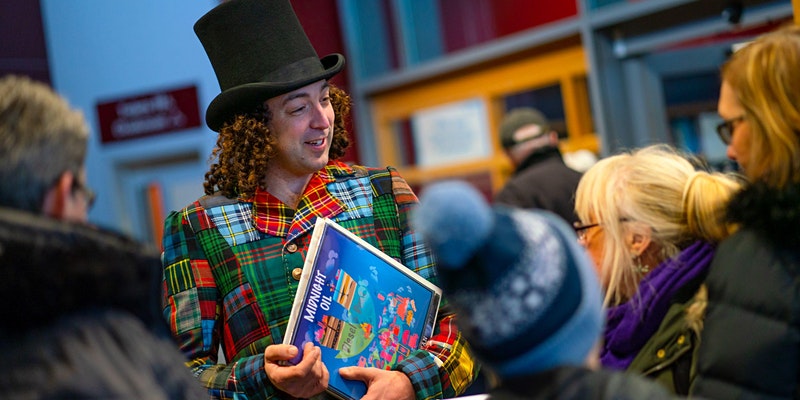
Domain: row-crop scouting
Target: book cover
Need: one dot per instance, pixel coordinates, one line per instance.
(362, 307)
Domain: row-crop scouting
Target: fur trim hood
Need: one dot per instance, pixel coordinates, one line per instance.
(50, 268)
(772, 213)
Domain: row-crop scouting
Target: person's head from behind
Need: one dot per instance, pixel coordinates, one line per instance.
(639, 208)
(760, 104)
(43, 144)
(525, 130)
(526, 294)
(277, 109)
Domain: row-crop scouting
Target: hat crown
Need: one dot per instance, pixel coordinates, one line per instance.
(251, 41)
(258, 50)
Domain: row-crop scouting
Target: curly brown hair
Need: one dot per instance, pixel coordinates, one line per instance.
(245, 145)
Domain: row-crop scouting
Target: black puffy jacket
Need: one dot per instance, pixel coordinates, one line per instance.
(79, 315)
(577, 383)
(750, 346)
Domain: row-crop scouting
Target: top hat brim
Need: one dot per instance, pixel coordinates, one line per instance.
(244, 98)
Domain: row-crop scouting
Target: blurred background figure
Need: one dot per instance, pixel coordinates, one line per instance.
(650, 222)
(541, 179)
(750, 343)
(526, 294)
(81, 317)
(580, 160)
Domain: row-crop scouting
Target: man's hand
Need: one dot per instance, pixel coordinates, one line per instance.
(381, 384)
(308, 378)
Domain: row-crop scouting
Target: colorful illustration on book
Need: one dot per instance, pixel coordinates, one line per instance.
(362, 324)
(361, 311)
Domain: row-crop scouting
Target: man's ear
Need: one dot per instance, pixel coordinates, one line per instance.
(553, 135)
(57, 198)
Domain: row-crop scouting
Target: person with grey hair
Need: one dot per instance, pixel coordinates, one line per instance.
(43, 147)
(541, 179)
(80, 319)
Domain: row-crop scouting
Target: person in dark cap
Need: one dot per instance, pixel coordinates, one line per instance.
(526, 295)
(541, 179)
(233, 258)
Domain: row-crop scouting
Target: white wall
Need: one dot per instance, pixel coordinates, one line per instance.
(109, 49)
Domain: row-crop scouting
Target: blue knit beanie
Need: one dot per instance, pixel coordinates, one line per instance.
(526, 294)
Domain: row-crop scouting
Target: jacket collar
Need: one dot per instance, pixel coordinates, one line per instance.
(772, 213)
(52, 268)
(275, 218)
(539, 155)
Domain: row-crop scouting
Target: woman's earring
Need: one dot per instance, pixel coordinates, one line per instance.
(639, 267)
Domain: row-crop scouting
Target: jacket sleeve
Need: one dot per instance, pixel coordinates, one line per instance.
(192, 306)
(444, 367)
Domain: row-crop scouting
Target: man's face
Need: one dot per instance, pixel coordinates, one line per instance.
(302, 124)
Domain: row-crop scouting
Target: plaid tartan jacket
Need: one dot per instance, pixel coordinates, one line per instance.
(231, 269)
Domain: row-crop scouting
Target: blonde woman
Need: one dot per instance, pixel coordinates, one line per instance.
(650, 222)
(751, 341)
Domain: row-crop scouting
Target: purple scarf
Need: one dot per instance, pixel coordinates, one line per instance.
(631, 324)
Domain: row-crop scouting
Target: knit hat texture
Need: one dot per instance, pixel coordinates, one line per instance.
(526, 294)
(518, 118)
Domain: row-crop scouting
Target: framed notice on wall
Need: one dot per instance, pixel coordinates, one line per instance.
(451, 133)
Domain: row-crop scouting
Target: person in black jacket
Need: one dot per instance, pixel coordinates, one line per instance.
(527, 297)
(750, 345)
(541, 179)
(80, 316)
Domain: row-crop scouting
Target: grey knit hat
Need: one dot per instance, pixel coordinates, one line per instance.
(526, 293)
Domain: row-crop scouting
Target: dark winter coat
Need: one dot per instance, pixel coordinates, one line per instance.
(567, 383)
(750, 345)
(80, 315)
(543, 181)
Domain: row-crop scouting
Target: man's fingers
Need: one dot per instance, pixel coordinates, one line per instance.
(311, 355)
(356, 373)
(280, 352)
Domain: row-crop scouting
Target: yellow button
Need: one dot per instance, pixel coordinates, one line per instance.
(661, 353)
(291, 248)
(681, 339)
(296, 273)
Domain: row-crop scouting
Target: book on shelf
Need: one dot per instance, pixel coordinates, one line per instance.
(360, 306)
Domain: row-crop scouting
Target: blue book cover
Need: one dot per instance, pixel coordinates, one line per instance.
(360, 306)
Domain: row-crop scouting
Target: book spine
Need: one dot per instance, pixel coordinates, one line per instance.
(430, 319)
(302, 286)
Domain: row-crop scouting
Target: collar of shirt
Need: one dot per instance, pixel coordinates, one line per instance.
(275, 218)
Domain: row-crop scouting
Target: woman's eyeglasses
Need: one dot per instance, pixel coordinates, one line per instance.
(581, 228)
(726, 127)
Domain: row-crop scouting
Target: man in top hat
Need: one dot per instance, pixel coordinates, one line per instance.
(541, 178)
(233, 258)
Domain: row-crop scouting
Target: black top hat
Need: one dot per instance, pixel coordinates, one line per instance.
(258, 50)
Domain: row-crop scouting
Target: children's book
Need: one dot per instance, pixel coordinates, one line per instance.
(360, 306)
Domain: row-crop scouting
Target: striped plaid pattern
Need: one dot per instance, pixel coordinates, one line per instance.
(228, 277)
(235, 223)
